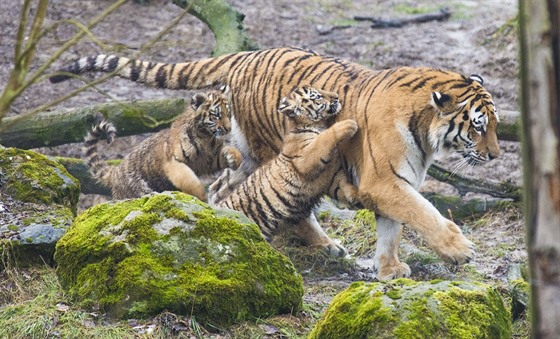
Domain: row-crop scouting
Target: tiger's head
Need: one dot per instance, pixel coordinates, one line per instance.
(307, 106)
(213, 111)
(468, 120)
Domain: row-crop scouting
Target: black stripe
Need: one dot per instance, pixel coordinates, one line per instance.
(414, 128)
(134, 71)
(398, 175)
(113, 63)
(161, 77)
(422, 83)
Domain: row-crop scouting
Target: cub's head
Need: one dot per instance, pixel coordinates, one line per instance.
(212, 110)
(468, 120)
(307, 106)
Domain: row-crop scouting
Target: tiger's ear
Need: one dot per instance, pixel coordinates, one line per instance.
(289, 110)
(197, 100)
(441, 102)
(477, 78)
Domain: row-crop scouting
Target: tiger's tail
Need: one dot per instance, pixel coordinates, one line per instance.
(199, 74)
(100, 170)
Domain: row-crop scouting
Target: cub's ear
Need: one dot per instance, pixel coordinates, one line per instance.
(477, 78)
(225, 89)
(441, 101)
(197, 100)
(289, 110)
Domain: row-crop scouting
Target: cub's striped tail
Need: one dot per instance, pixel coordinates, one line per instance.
(99, 168)
(199, 74)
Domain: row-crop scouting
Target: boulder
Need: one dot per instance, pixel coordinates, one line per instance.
(169, 251)
(38, 200)
(404, 308)
(31, 177)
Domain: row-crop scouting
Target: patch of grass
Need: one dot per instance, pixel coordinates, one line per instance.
(343, 22)
(358, 235)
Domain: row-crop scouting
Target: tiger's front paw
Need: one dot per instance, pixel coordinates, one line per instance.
(232, 156)
(452, 246)
(345, 129)
(389, 271)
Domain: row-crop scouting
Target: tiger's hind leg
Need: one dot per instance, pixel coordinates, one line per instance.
(313, 235)
(386, 261)
(184, 179)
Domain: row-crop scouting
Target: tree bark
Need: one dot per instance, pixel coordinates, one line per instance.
(540, 107)
(224, 21)
(57, 128)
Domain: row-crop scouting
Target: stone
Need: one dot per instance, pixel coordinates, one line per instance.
(169, 251)
(38, 200)
(404, 308)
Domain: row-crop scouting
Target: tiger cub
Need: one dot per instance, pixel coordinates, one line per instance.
(174, 158)
(283, 191)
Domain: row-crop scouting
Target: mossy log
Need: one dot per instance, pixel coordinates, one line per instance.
(79, 169)
(63, 127)
(224, 21)
(465, 185)
(508, 127)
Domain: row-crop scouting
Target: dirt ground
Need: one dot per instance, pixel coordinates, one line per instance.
(478, 38)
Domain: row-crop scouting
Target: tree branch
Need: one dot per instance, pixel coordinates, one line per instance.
(224, 21)
(442, 14)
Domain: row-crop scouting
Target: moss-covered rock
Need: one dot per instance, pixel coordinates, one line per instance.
(169, 251)
(404, 308)
(31, 177)
(37, 204)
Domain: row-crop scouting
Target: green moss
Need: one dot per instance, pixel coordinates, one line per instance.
(13, 228)
(394, 294)
(31, 177)
(423, 310)
(213, 264)
(356, 311)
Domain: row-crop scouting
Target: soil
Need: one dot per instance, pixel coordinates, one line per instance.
(478, 38)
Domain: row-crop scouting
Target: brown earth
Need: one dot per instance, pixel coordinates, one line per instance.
(478, 38)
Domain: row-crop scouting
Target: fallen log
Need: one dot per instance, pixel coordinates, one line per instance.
(465, 185)
(63, 127)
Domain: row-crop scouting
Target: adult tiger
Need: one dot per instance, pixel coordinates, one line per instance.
(405, 115)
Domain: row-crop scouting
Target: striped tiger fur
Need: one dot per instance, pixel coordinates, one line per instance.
(281, 192)
(405, 115)
(174, 158)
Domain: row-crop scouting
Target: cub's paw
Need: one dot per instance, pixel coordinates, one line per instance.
(220, 188)
(333, 249)
(345, 129)
(232, 156)
(452, 246)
